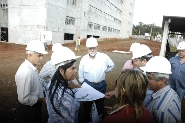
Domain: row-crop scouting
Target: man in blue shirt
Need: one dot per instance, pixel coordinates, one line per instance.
(177, 78)
(165, 105)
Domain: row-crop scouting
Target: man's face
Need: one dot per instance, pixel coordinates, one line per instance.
(138, 63)
(92, 50)
(181, 53)
(153, 84)
(35, 58)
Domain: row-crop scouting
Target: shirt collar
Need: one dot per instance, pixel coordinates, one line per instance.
(30, 65)
(160, 92)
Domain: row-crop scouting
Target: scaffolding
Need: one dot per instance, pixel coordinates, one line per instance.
(3, 20)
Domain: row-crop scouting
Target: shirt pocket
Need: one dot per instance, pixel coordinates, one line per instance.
(87, 68)
(173, 66)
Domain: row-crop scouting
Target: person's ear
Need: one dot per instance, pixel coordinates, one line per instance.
(61, 71)
(145, 61)
(163, 81)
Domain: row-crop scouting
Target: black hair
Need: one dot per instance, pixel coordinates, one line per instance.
(147, 57)
(58, 82)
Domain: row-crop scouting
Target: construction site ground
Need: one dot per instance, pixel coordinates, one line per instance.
(12, 55)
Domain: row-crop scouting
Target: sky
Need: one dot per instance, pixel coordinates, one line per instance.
(152, 11)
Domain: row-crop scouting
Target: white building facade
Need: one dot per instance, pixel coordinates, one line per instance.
(68, 19)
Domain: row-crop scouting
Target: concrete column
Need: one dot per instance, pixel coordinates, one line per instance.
(164, 40)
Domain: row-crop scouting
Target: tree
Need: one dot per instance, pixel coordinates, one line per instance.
(142, 28)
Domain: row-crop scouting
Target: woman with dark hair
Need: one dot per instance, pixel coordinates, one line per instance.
(61, 102)
(130, 93)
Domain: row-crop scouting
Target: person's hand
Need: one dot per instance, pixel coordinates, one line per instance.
(109, 109)
(109, 94)
(78, 86)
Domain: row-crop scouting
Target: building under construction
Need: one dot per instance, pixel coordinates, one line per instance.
(24, 20)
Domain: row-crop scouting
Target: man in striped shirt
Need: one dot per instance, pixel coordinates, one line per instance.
(165, 104)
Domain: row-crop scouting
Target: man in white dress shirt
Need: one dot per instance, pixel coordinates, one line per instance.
(29, 88)
(92, 70)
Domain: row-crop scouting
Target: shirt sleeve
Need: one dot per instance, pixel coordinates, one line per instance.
(23, 81)
(46, 73)
(163, 117)
(81, 71)
(110, 64)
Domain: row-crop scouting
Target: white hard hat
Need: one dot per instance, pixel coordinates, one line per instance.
(56, 46)
(62, 55)
(134, 46)
(91, 42)
(141, 50)
(181, 46)
(37, 46)
(158, 64)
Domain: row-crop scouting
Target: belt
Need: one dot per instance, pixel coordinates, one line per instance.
(95, 83)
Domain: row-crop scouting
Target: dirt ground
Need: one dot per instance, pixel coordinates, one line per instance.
(12, 55)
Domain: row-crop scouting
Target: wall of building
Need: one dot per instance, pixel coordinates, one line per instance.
(26, 19)
(30, 17)
(127, 19)
(3, 19)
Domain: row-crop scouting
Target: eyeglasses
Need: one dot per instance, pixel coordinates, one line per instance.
(92, 48)
(181, 51)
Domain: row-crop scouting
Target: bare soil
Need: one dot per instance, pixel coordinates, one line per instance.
(12, 55)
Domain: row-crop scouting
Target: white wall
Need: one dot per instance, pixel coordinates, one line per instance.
(26, 19)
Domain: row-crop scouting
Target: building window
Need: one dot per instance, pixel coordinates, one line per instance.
(70, 20)
(118, 31)
(73, 2)
(97, 26)
(68, 36)
(104, 28)
(90, 25)
(109, 29)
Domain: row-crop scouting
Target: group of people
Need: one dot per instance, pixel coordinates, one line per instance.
(147, 89)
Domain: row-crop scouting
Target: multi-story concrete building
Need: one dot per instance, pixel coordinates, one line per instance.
(67, 19)
(3, 20)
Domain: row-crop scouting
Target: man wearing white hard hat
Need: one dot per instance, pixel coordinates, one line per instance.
(165, 105)
(129, 64)
(141, 54)
(48, 69)
(61, 102)
(177, 78)
(29, 88)
(92, 70)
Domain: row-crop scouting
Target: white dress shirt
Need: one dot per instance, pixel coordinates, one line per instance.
(94, 70)
(29, 88)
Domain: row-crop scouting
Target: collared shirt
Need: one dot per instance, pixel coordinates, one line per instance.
(177, 78)
(29, 88)
(94, 70)
(128, 65)
(165, 106)
(64, 103)
(78, 41)
(47, 72)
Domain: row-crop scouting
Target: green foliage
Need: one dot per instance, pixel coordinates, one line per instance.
(173, 48)
(142, 28)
